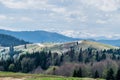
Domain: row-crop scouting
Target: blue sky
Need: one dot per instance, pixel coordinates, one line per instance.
(76, 18)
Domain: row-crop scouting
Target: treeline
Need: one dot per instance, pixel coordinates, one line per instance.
(110, 75)
(77, 63)
(28, 62)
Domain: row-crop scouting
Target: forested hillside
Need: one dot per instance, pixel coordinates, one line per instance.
(82, 58)
(7, 40)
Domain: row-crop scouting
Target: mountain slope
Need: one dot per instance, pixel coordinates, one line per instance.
(7, 40)
(38, 36)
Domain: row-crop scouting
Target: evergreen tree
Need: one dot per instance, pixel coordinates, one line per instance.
(79, 73)
(80, 56)
(96, 74)
(103, 57)
(110, 74)
(118, 75)
(87, 60)
(75, 73)
(61, 58)
(113, 57)
(11, 49)
(72, 54)
(97, 57)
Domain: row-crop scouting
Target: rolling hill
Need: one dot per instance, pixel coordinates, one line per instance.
(59, 47)
(84, 44)
(38, 36)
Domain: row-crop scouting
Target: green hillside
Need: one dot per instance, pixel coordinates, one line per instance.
(63, 47)
(55, 47)
(7, 40)
(56, 58)
(84, 44)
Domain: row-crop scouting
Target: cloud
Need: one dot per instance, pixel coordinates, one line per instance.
(3, 17)
(64, 11)
(27, 19)
(31, 4)
(101, 21)
(76, 16)
(103, 5)
(13, 4)
(96, 15)
(12, 18)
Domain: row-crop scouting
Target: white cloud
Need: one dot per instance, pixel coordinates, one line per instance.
(3, 17)
(26, 19)
(71, 14)
(104, 5)
(31, 4)
(59, 10)
(13, 4)
(7, 28)
(101, 21)
(65, 12)
(79, 16)
(11, 18)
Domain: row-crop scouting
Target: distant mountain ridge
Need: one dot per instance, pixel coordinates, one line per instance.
(44, 36)
(7, 41)
(38, 36)
(111, 42)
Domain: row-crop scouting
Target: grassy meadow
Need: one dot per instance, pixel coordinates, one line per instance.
(22, 76)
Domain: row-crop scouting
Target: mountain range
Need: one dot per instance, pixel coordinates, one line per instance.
(111, 42)
(38, 36)
(45, 36)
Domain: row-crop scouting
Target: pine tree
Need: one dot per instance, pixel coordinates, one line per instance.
(72, 54)
(61, 58)
(110, 74)
(103, 56)
(11, 49)
(118, 75)
(75, 73)
(97, 57)
(79, 72)
(113, 57)
(96, 74)
(80, 56)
